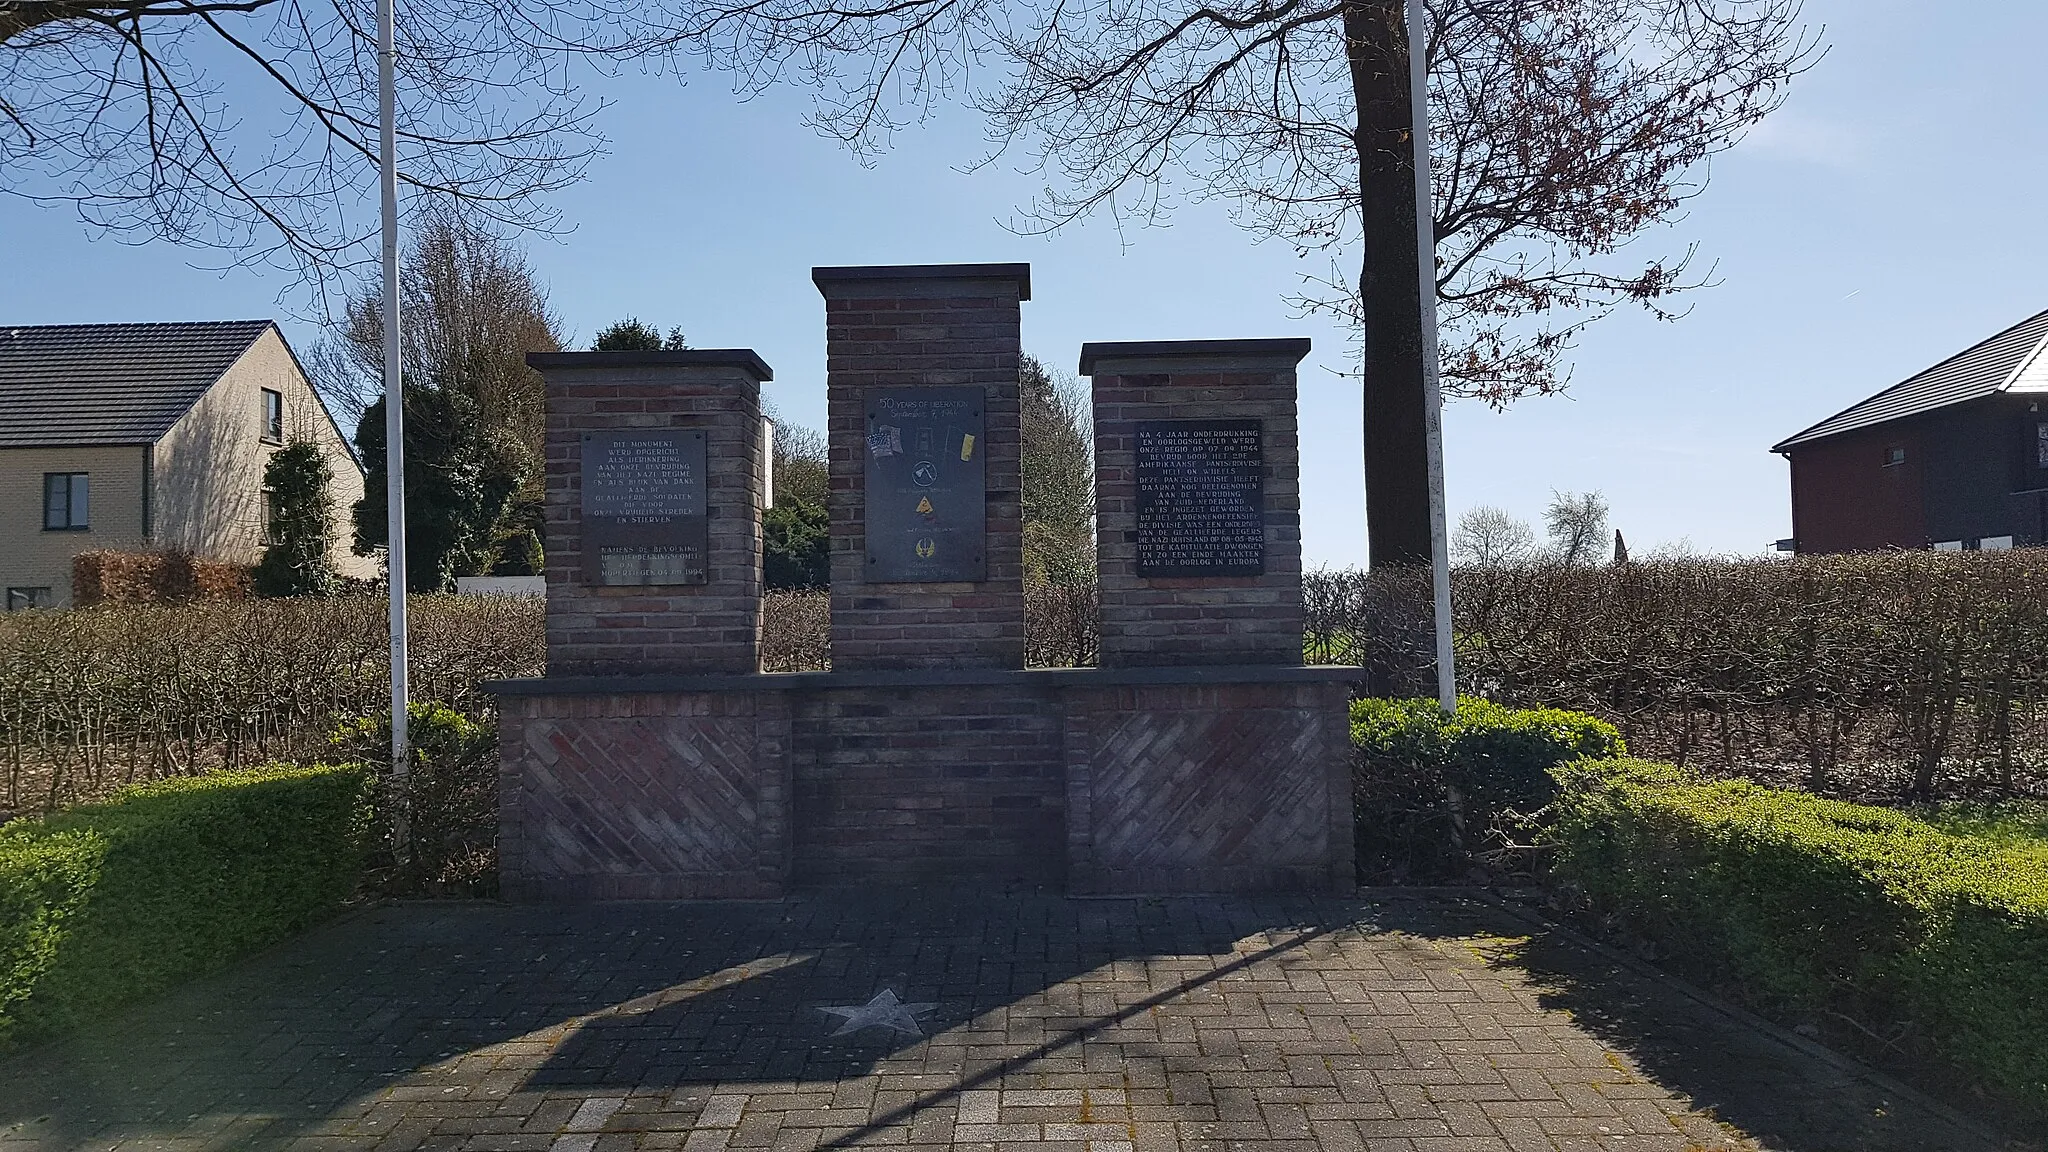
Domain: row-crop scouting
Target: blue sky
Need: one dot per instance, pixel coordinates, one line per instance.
(1890, 214)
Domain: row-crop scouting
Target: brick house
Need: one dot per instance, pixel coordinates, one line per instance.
(149, 436)
(1954, 457)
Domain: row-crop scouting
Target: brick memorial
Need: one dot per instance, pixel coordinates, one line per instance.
(654, 760)
(949, 334)
(1229, 780)
(654, 471)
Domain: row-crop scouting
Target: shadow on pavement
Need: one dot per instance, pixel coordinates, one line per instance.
(455, 1002)
(619, 996)
(1787, 1099)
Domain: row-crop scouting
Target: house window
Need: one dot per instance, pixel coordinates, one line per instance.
(273, 416)
(21, 599)
(66, 502)
(1894, 455)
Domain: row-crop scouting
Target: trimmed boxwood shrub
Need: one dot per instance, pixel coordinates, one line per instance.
(104, 904)
(1817, 905)
(1434, 793)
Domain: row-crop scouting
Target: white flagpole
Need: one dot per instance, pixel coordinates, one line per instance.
(394, 424)
(1425, 236)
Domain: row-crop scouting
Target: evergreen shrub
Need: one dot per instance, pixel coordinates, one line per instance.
(1437, 795)
(104, 904)
(1822, 906)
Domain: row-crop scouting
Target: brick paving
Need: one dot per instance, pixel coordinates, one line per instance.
(1423, 1024)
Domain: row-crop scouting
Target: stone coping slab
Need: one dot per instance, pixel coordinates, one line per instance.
(745, 359)
(1024, 678)
(1289, 349)
(1020, 273)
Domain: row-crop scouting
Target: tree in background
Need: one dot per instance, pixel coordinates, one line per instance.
(796, 532)
(299, 532)
(472, 309)
(118, 109)
(459, 488)
(1489, 537)
(475, 413)
(1058, 462)
(1561, 131)
(1577, 526)
(630, 335)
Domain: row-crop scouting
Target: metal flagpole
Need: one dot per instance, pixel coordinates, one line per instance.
(1425, 237)
(394, 424)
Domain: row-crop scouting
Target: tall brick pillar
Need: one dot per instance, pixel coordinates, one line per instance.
(670, 581)
(921, 385)
(1198, 501)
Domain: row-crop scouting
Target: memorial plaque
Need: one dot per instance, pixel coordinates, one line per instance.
(927, 485)
(1201, 498)
(644, 514)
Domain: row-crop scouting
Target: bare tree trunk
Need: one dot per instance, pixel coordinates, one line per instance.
(1390, 297)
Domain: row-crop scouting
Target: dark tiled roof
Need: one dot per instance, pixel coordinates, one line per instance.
(1976, 371)
(68, 384)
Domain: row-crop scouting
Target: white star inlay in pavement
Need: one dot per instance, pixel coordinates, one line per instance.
(884, 1011)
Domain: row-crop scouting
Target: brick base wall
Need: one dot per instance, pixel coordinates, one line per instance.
(1201, 788)
(929, 783)
(1089, 780)
(643, 797)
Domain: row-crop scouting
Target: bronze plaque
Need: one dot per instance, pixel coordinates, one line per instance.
(927, 485)
(644, 514)
(1201, 498)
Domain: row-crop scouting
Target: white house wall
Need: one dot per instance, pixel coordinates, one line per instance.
(209, 467)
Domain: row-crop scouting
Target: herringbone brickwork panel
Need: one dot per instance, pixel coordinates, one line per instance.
(1181, 789)
(639, 795)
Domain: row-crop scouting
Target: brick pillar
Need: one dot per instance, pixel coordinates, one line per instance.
(702, 613)
(954, 329)
(1198, 532)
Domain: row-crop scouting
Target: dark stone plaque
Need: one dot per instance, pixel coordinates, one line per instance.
(927, 485)
(1201, 498)
(644, 514)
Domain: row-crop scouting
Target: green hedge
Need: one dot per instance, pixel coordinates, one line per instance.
(1430, 790)
(1818, 905)
(103, 904)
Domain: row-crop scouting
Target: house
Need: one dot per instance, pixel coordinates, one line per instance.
(1955, 457)
(150, 435)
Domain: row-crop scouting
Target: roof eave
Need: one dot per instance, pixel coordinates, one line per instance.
(140, 443)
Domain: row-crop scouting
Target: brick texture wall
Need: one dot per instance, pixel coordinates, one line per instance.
(712, 627)
(929, 783)
(1079, 780)
(1197, 620)
(643, 797)
(1209, 788)
(906, 327)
